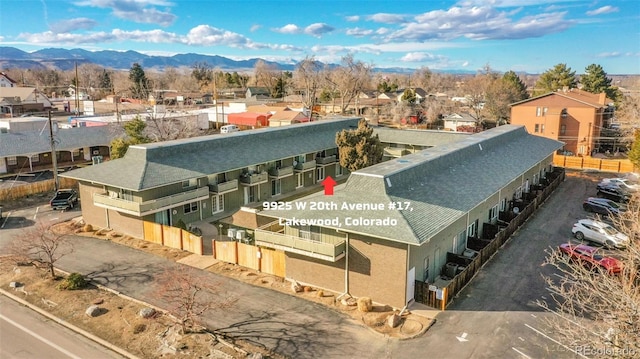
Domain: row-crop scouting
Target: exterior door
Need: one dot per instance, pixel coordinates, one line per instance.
(411, 284)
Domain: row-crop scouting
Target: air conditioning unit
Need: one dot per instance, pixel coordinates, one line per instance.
(231, 233)
(241, 234)
(450, 270)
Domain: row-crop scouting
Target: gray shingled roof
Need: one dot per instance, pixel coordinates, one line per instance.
(31, 142)
(157, 164)
(442, 183)
(418, 137)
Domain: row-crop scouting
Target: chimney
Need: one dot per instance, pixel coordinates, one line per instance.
(602, 98)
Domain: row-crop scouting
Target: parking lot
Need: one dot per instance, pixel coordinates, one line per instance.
(496, 315)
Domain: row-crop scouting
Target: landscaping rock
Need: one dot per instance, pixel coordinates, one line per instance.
(393, 320)
(92, 311)
(98, 301)
(15, 285)
(364, 304)
(147, 312)
(296, 287)
(349, 302)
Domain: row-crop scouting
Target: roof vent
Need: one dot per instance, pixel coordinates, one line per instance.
(403, 161)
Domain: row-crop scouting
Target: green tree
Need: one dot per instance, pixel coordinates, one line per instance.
(359, 148)
(140, 84)
(634, 153)
(557, 78)
(595, 80)
(515, 85)
(409, 96)
(203, 74)
(134, 130)
(106, 85)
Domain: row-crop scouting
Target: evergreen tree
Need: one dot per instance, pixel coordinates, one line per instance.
(634, 153)
(359, 148)
(557, 78)
(135, 135)
(409, 96)
(105, 82)
(517, 88)
(595, 80)
(140, 83)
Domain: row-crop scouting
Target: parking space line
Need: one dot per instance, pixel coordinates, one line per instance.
(6, 219)
(553, 340)
(521, 353)
(36, 214)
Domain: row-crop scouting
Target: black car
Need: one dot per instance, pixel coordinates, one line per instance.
(603, 206)
(614, 193)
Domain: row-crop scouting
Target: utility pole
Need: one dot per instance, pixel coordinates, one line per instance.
(54, 157)
(77, 93)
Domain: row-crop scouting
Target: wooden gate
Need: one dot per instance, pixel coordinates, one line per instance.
(273, 262)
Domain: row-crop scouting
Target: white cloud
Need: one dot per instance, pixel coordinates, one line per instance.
(387, 18)
(358, 32)
(288, 29)
(478, 23)
(318, 29)
(603, 10)
(353, 18)
(205, 35)
(81, 23)
(142, 11)
(255, 28)
(417, 57)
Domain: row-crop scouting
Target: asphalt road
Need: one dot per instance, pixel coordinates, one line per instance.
(495, 316)
(26, 334)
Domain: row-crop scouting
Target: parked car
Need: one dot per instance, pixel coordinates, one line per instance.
(599, 232)
(591, 258)
(229, 129)
(624, 183)
(614, 193)
(64, 199)
(603, 206)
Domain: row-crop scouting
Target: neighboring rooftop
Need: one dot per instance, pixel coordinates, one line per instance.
(418, 137)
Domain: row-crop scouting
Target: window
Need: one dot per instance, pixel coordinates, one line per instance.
(460, 242)
(190, 207)
(299, 180)
(217, 203)
(319, 174)
(518, 193)
(544, 111)
(503, 205)
(12, 161)
(276, 187)
(538, 111)
(563, 129)
(493, 213)
(35, 158)
(75, 153)
(536, 128)
(471, 230)
(542, 128)
(339, 170)
(189, 183)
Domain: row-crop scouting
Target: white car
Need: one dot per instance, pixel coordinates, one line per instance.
(623, 183)
(599, 232)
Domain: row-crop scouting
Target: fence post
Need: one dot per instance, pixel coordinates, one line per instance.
(443, 303)
(213, 248)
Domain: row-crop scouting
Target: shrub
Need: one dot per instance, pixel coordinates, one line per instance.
(364, 304)
(139, 328)
(73, 281)
(320, 294)
(87, 228)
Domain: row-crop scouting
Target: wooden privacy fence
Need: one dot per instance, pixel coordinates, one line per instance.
(486, 248)
(27, 189)
(173, 237)
(600, 164)
(261, 259)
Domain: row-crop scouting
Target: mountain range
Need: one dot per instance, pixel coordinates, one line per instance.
(63, 59)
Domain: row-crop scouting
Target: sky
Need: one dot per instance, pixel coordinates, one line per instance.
(520, 35)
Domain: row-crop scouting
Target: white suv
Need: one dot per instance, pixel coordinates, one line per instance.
(599, 232)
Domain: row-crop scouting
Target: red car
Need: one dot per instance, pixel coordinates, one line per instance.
(590, 257)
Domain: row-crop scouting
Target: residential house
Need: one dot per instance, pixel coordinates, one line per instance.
(420, 93)
(30, 150)
(207, 177)
(16, 101)
(455, 120)
(393, 223)
(398, 143)
(288, 117)
(573, 116)
(6, 81)
(257, 92)
(77, 94)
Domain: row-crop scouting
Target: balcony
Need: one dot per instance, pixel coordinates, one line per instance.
(326, 160)
(255, 178)
(149, 207)
(272, 236)
(281, 172)
(224, 187)
(305, 166)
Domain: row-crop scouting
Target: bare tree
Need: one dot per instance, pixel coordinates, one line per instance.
(41, 245)
(188, 296)
(348, 80)
(269, 76)
(594, 309)
(308, 76)
(163, 128)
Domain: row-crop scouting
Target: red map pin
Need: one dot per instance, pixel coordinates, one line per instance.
(328, 184)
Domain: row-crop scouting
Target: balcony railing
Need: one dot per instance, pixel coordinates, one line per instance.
(152, 206)
(281, 172)
(267, 237)
(305, 166)
(326, 160)
(255, 178)
(224, 187)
